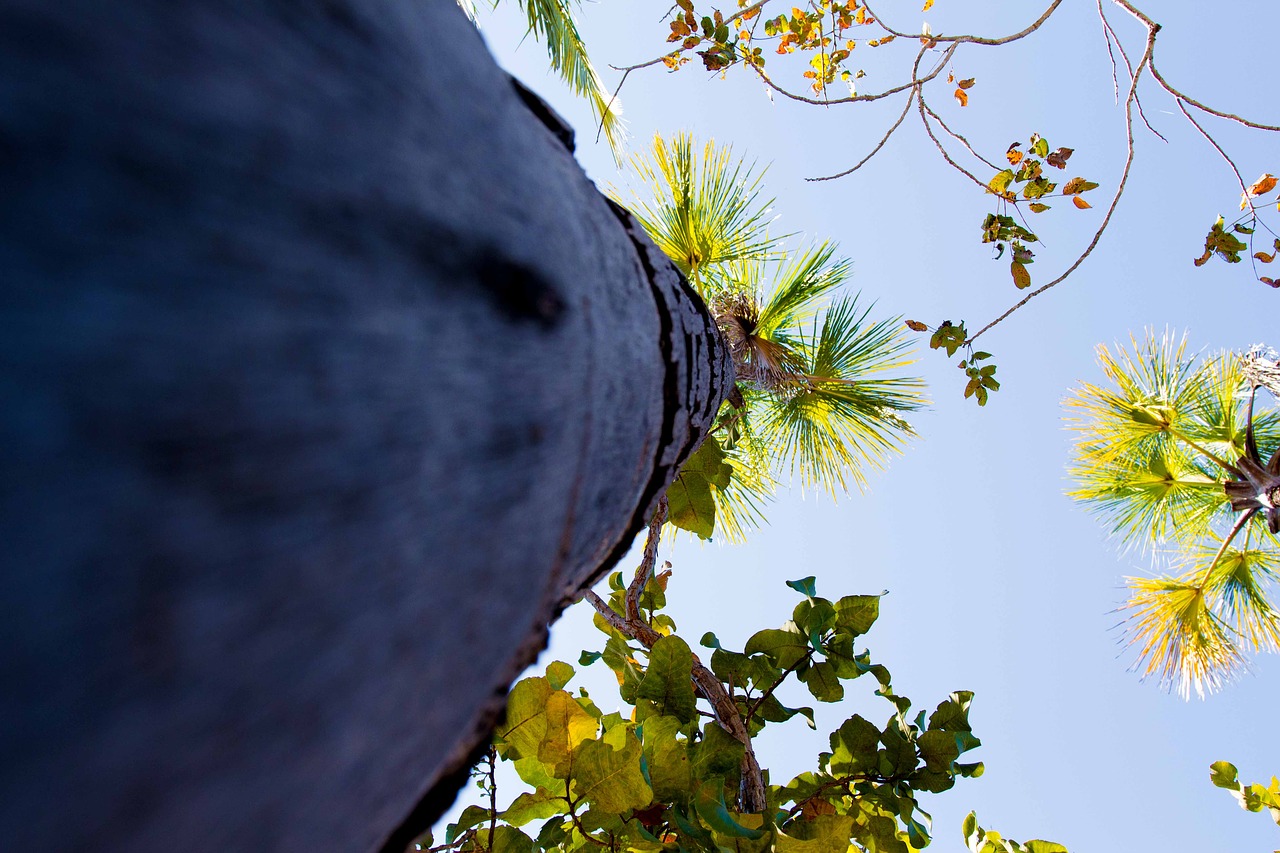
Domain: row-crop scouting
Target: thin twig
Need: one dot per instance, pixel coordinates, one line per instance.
(604, 112)
(493, 794)
(1115, 200)
(1107, 34)
(772, 687)
(969, 39)
(855, 98)
(942, 150)
(960, 138)
(1107, 28)
(906, 108)
(1240, 178)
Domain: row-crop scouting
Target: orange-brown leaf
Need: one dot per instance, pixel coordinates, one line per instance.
(967, 83)
(917, 326)
(928, 4)
(962, 97)
(1264, 257)
(1079, 202)
(1262, 186)
(1013, 155)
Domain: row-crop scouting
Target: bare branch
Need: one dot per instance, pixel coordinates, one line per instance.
(906, 108)
(856, 98)
(710, 688)
(1210, 110)
(959, 138)
(1108, 34)
(645, 570)
(969, 39)
(1243, 190)
(1112, 35)
(1115, 201)
(941, 149)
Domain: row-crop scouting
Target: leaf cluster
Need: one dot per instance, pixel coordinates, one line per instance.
(1253, 797)
(665, 774)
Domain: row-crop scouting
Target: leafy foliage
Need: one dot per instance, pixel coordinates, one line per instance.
(667, 774)
(820, 391)
(1160, 454)
(1252, 798)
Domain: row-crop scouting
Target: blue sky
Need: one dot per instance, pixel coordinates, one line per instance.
(1077, 749)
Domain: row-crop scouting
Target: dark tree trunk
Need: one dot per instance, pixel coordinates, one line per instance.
(326, 380)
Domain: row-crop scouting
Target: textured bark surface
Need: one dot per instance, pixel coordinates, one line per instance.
(326, 378)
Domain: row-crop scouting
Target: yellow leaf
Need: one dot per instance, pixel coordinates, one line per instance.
(962, 97)
(1013, 155)
(1021, 278)
(928, 4)
(1079, 202)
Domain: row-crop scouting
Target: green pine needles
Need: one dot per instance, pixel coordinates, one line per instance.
(1181, 455)
(822, 388)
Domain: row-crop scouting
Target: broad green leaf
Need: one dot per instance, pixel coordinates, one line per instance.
(709, 801)
(532, 805)
(1224, 775)
(717, 754)
(567, 726)
(1001, 182)
(952, 714)
(667, 759)
(854, 746)
(690, 505)
(784, 648)
(805, 586)
(525, 724)
(823, 683)
(822, 834)
(857, 613)
(610, 779)
(666, 688)
(558, 674)
(938, 749)
(709, 460)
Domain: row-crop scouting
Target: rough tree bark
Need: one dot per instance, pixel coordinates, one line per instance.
(326, 379)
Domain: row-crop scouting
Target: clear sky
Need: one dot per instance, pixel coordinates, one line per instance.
(1077, 749)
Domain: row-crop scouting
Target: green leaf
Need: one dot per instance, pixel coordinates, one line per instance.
(709, 641)
(587, 658)
(690, 505)
(1224, 775)
(1039, 207)
(717, 754)
(558, 674)
(610, 779)
(1000, 183)
(525, 723)
(532, 805)
(667, 759)
(567, 726)
(1039, 146)
(783, 648)
(666, 689)
(805, 586)
(709, 801)
(709, 460)
(938, 749)
(823, 683)
(857, 613)
(854, 746)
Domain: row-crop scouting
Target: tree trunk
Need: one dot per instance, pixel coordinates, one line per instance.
(327, 380)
